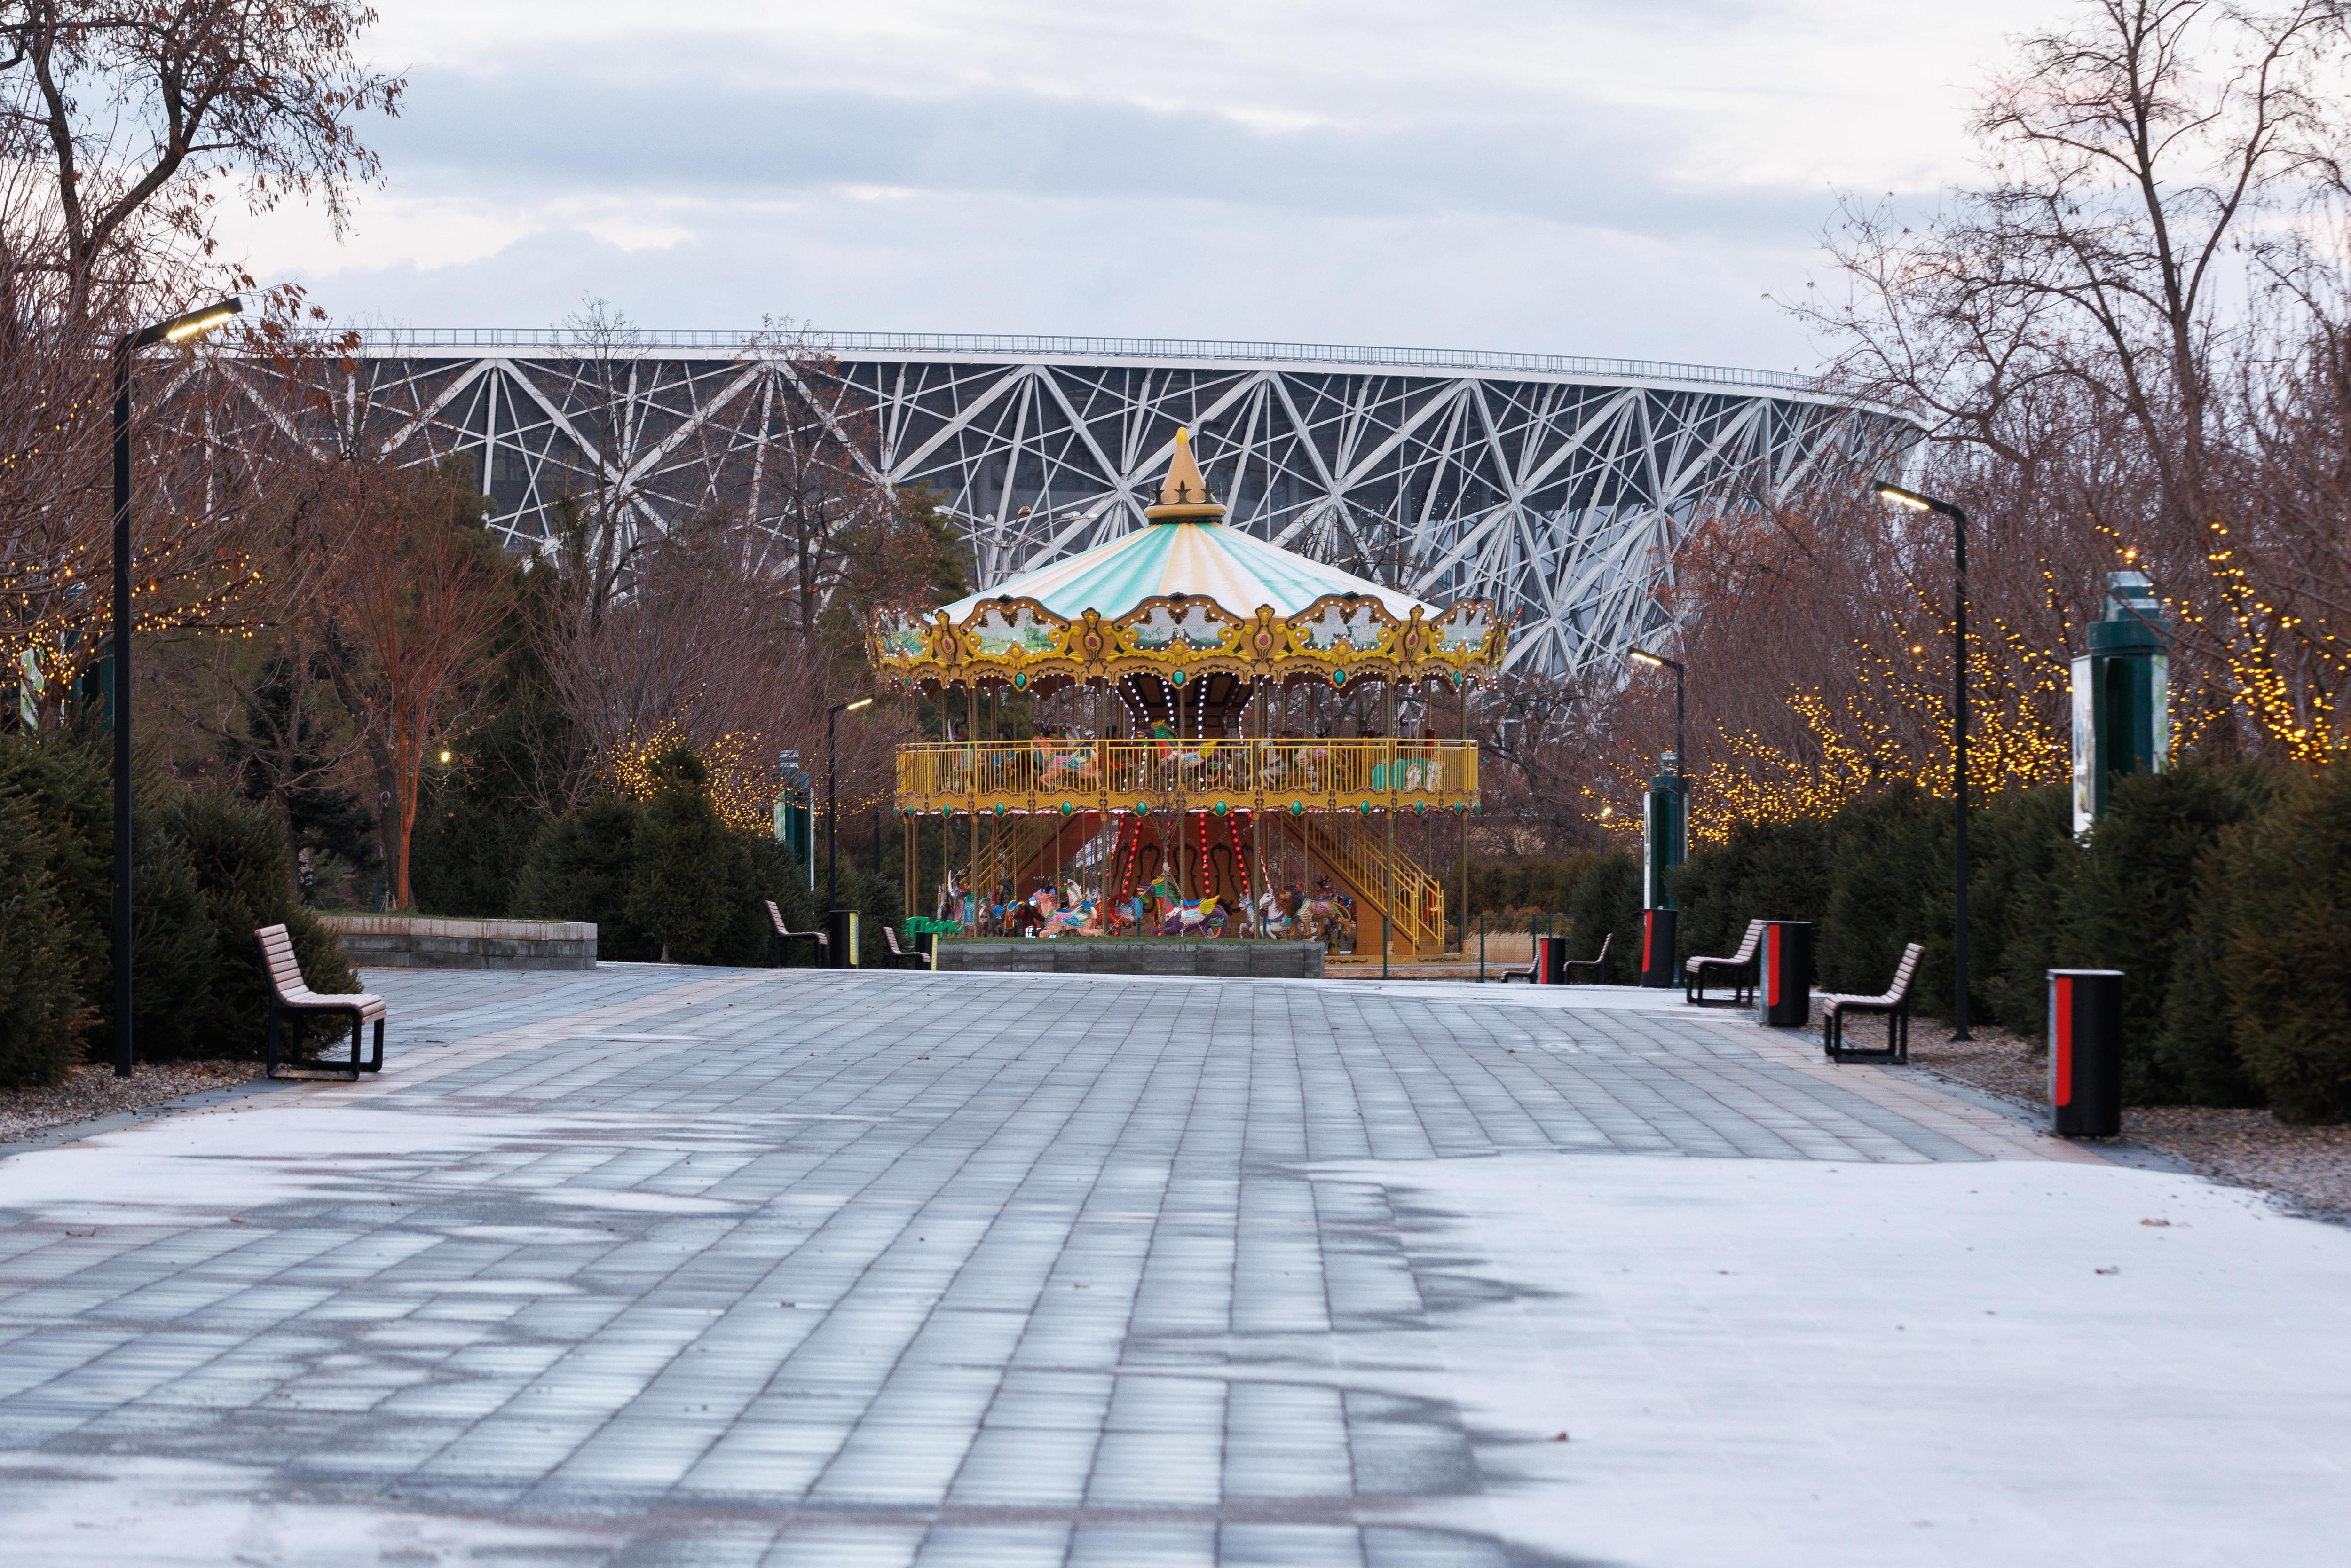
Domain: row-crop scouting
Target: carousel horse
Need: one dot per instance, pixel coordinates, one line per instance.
(1067, 915)
(1171, 746)
(1073, 763)
(1186, 918)
(956, 904)
(1030, 913)
(1274, 917)
(1328, 918)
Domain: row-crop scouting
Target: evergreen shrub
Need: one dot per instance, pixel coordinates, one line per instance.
(2135, 901)
(2288, 952)
(1607, 904)
(678, 881)
(208, 869)
(242, 879)
(42, 1009)
(613, 862)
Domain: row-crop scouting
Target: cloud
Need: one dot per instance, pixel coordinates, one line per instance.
(538, 136)
(1021, 264)
(1578, 175)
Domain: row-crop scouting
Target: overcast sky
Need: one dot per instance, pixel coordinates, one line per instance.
(1615, 177)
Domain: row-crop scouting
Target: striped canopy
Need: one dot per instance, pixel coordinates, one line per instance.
(1192, 557)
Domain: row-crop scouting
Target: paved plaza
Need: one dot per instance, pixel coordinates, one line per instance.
(653, 1266)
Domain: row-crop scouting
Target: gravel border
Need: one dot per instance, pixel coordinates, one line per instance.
(92, 1091)
(2305, 1170)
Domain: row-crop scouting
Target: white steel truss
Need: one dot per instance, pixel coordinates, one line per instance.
(1557, 488)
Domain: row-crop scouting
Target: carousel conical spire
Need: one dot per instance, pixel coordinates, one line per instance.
(1184, 495)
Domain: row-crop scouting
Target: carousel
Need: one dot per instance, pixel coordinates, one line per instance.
(1216, 747)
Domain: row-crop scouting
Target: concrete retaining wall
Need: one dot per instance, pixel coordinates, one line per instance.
(1172, 955)
(422, 942)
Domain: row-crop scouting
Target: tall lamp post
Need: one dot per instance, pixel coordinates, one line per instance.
(1664, 818)
(1659, 662)
(178, 329)
(831, 801)
(1918, 503)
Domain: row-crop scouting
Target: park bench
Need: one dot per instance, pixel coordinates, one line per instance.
(1894, 1002)
(289, 993)
(785, 934)
(1740, 968)
(905, 957)
(1598, 964)
(1530, 974)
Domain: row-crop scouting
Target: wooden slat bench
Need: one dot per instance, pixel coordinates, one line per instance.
(1740, 968)
(1894, 1002)
(289, 993)
(1598, 964)
(785, 934)
(903, 958)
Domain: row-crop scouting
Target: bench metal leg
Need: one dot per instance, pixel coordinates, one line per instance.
(270, 1056)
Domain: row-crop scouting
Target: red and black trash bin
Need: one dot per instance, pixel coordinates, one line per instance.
(1551, 960)
(1658, 936)
(2085, 1054)
(1784, 987)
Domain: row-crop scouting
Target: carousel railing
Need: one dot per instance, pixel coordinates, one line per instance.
(1189, 775)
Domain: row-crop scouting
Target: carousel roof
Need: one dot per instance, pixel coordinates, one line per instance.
(1186, 549)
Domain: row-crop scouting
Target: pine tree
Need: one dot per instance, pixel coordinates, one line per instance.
(677, 888)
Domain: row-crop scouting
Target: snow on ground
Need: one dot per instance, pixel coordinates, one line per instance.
(113, 1510)
(1763, 1362)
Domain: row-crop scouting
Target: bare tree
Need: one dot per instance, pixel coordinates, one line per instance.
(2080, 327)
(140, 111)
(407, 620)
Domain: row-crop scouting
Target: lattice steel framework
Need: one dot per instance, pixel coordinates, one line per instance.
(1557, 488)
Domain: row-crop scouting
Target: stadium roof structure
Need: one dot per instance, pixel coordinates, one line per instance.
(1558, 487)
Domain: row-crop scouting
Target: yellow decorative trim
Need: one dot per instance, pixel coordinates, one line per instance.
(1338, 638)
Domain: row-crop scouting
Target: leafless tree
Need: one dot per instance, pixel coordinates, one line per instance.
(143, 112)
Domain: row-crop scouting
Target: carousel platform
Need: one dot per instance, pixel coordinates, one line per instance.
(1138, 955)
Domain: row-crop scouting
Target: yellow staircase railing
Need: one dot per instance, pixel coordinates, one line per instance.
(1007, 845)
(1355, 850)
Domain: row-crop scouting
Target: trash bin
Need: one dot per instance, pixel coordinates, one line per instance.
(926, 943)
(843, 945)
(1783, 985)
(1551, 960)
(1658, 930)
(2085, 1054)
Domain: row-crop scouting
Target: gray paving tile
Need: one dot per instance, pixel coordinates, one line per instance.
(878, 1269)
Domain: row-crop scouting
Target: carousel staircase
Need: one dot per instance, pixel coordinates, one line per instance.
(1354, 850)
(1010, 847)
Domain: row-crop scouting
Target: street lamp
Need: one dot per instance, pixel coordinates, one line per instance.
(831, 801)
(1918, 503)
(1659, 662)
(178, 329)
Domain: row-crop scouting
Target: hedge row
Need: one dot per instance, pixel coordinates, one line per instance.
(2222, 892)
(209, 869)
(665, 877)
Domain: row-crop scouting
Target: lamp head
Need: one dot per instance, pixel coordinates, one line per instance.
(1902, 497)
(192, 324)
(1642, 657)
